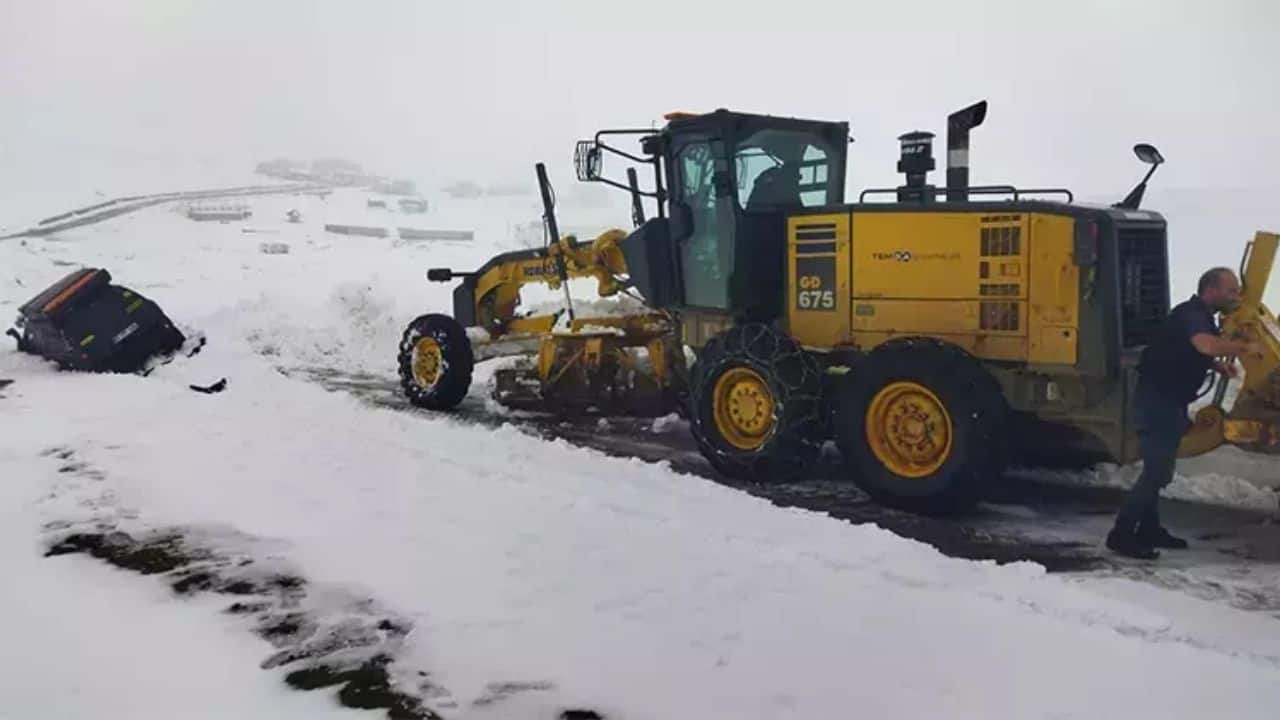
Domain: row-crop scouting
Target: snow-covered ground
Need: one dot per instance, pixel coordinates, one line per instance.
(536, 576)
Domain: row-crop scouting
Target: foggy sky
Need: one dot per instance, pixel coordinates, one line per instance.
(484, 89)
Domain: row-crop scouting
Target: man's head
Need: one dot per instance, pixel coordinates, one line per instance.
(1220, 289)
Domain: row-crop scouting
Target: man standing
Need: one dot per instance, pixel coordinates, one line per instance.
(1172, 369)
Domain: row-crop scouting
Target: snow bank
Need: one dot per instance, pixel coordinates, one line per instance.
(1228, 476)
(669, 423)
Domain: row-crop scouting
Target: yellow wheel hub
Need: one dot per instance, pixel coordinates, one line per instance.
(743, 408)
(427, 362)
(908, 429)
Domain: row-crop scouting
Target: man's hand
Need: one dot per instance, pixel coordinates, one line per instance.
(1228, 369)
(1214, 346)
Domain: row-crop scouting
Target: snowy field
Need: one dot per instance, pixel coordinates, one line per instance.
(532, 577)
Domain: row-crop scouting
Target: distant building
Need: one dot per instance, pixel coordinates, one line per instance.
(388, 186)
(464, 189)
(335, 166)
(346, 179)
(281, 168)
(413, 205)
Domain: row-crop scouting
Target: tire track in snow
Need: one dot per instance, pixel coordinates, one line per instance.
(324, 638)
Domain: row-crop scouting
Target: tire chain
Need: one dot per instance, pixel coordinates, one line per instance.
(790, 370)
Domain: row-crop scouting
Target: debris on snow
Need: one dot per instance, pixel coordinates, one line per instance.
(273, 248)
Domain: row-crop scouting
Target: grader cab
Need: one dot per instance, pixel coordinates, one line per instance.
(935, 333)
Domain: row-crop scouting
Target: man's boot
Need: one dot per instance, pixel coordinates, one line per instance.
(1122, 540)
(1158, 537)
(1152, 533)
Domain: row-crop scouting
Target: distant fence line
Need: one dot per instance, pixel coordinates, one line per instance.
(402, 233)
(185, 195)
(365, 230)
(99, 212)
(445, 235)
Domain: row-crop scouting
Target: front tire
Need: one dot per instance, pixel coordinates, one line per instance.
(435, 362)
(755, 405)
(922, 426)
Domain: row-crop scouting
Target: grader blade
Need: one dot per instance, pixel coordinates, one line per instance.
(1253, 422)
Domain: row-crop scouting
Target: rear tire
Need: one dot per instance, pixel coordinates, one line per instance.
(755, 405)
(923, 426)
(435, 362)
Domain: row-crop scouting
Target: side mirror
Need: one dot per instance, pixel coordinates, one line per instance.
(1148, 154)
(588, 161)
(651, 144)
(1151, 156)
(439, 275)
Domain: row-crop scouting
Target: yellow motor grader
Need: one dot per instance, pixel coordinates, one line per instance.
(936, 334)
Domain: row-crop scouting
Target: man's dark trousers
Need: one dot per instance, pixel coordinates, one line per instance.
(1161, 423)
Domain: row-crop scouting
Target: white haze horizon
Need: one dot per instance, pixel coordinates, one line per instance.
(152, 95)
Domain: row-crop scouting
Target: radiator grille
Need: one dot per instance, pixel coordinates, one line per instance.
(998, 315)
(1144, 283)
(999, 241)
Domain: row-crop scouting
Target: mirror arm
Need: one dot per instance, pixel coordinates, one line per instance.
(623, 153)
(607, 181)
(1134, 198)
(1150, 172)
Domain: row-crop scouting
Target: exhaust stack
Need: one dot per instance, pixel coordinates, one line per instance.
(959, 123)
